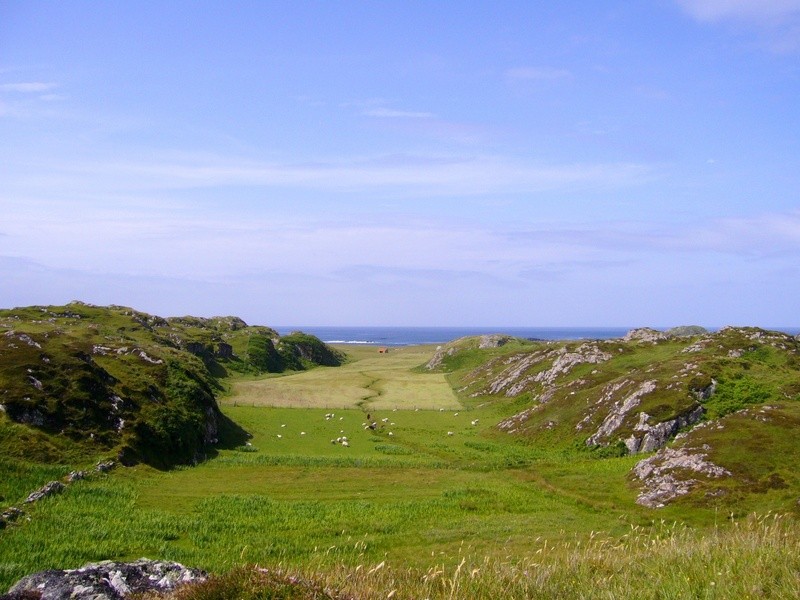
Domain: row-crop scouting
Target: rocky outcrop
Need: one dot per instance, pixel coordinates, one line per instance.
(493, 341)
(652, 437)
(106, 580)
(644, 334)
(618, 412)
(686, 331)
(664, 475)
(513, 380)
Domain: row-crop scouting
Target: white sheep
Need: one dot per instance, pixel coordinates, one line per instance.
(449, 433)
(302, 433)
(345, 444)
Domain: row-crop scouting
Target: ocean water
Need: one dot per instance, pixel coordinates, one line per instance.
(405, 336)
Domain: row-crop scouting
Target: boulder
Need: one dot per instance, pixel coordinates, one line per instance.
(105, 580)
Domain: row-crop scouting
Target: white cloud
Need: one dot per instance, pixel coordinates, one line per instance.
(27, 87)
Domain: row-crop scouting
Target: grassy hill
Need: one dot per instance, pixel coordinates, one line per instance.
(114, 381)
(721, 409)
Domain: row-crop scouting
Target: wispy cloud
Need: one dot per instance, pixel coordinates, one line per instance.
(396, 175)
(537, 74)
(27, 87)
(758, 10)
(758, 236)
(776, 21)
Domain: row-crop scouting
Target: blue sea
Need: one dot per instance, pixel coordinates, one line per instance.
(405, 336)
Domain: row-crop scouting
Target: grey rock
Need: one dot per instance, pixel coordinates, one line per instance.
(76, 476)
(493, 341)
(106, 580)
(10, 515)
(656, 436)
(105, 466)
(664, 475)
(54, 487)
(618, 413)
(686, 331)
(645, 334)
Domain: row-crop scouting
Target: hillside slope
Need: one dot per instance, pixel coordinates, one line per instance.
(113, 379)
(719, 409)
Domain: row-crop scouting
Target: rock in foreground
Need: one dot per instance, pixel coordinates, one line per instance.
(106, 580)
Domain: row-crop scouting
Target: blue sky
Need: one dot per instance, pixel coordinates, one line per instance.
(405, 163)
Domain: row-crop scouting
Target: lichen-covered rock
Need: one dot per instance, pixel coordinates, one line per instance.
(106, 580)
(618, 412)
(659, 474)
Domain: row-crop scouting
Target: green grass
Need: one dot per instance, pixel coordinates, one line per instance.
(372, 381)
(447, 506)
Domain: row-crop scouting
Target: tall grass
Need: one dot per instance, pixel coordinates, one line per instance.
(755, 558)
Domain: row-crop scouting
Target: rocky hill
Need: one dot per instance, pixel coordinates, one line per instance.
(720, 410)
(116, 380)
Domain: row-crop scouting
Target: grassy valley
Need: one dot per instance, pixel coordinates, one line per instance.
(489, 467)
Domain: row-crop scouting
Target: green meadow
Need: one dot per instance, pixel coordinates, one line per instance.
(433, 502)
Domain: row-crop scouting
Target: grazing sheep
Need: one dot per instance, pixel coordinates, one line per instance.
(455, 414)
(284, 425)
(279, 436)
(475, 422)
(346, 444)
(390, 433)
(302, 433)
(449, 433)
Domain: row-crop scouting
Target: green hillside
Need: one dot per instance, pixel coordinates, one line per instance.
(113, 381)
(719, 409)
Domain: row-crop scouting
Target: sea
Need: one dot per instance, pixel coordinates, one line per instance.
(407, 336)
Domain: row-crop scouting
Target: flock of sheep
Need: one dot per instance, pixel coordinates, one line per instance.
(369, 424)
